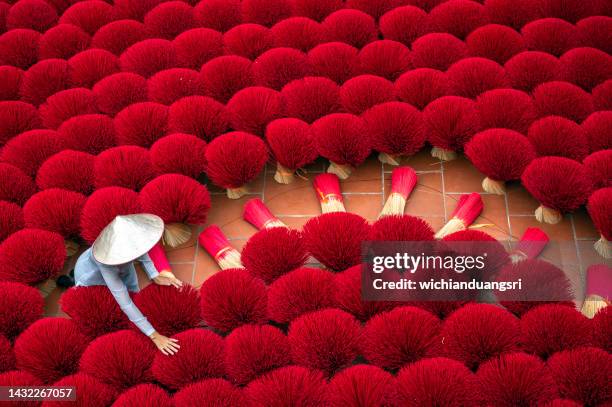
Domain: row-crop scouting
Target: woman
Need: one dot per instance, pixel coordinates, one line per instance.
(109, 262)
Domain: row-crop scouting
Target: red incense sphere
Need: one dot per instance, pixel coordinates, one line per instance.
(197, 46)
(144, 394)
(316, 10)
(220, 15)
(22, 304)
(11, 219)
(362, 383)
(334, 60)
(375, 8)
(29, 150)
(201, 116)
(404, 24)
(90, 133)
(558, 136)
(386, 58)
(507, 109)
(33, 14)
(311, 98)
(528, 69)
(265, 12)
(602, 96)
(458, 17)
(117, 36)
(563, 99)
(592, 32)
(291, 384)
(225, 75)
(297, 32)
(169, 19)
(148, 57)
(210, 393)
(602, 324)
(66, 104)
(421, 86)
(248, 40)
(496, 42)
(170, 85)
(401, 228)
(68, 169)
(45, 78)
(551, 35)
(19, 47)
(10, 81)
(277, 67)
(118, 91)
(7, 356)
(180, 154)
(91, 391)
(88, 67)
(292, 145)
(16, 118)
(89, 15)
(141, 124)
(585, 67)
(55, 210)
(597, 128)
(124, 166)
(251, 109)
(470, 77)
(437, 51)
(360, 93)
(15, 185)
(352, 27)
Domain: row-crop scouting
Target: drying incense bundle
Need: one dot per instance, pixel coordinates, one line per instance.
(216, 244)
(598, 207)
(327, 187)
(598, 289)
(467, 210)
(530, 245)
(403, 181)
(258, 215)
(159, 259)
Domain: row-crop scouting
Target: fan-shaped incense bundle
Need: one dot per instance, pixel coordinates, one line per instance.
(216, 244)
(403, 181)
(467, 210)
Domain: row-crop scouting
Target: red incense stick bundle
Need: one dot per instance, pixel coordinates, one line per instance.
(327, 187)
(258, 215)
(216, 244)
(159, 258)
(403, 181)
(467, 210)
(598, 289)
(598, 206)
(530, 245)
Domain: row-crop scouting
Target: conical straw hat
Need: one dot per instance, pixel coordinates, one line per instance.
(127, 237)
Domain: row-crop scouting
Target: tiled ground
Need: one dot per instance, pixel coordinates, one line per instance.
(505, 217)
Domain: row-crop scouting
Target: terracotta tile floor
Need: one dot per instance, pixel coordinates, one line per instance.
(440, 184)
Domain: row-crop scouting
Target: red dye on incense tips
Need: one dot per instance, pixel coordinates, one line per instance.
(401, 336)
(386, 58)
(403, 181)
(404, 24)
(335, 239)
(315, 10)
(180, 154)
(88, 15)
(90, 133)
(551, 328)
(30, 149)
(360, 93)
(144, 394)
(585, 67)
(421, 86)
(247, 40)
(169, 19)
(170, 85)
(66, 104)
(94, 310)
(597, 128)
(350, 26)
(252, 108)
(225, 75)
(563, 99)
(558, 136)
(551, 35)
(496, 42)
(112, 359)
(571, 11)
(265, 12)
(531, 244)
(19, 47)
(560, 184)
(311, 98)
(516, 378)
(257, 214)
(329, 194)
(201, 357)
(232, 298)
(470, 77)
(253, 350)
(149, 56)
(103, 206)
(518, 107)
(300, 33)
(168, 309)
(11, 219)
(451, 122)
(591, 31)
(273, 252)
(50, 348)
(117, 36)
(7, 356)
(290, 141)
(600, 165)
(31, 256)
(334, 60)
(327, 340)
(476, 333)
(437, 51)
(15, 185)
(376, 8)
(22, 306)
(401, 228)
(16, 118)
(601, 327)
(118, 91)
(458, 17)
(602, 96)
(141, 124)
(68, 169)
(219, 248)
(123, 166)
(582, 374)
(201, 116)
(135, 10)
(88, 67)
(219, 15)
(234, 159)
(299, 292)
(339, 137)
(361, 383)
(292, 383)
(33, 14)
(210, 393)
(501, 155)
(44, 79)
(528, 69)
(436, 380)
(395, 129)
(598, 207)
(197, 46)
(55, 210)
(278, 66)
(10, 81)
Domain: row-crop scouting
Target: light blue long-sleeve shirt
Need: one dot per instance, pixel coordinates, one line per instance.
(120, 280)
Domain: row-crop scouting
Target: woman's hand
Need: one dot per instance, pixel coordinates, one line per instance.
(167, 346)
(167, 278)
